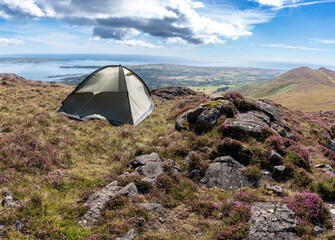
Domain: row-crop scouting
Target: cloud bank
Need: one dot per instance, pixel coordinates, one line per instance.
(9, 41)
(170, 20)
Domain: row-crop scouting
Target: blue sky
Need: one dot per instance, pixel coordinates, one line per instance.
(255, 33)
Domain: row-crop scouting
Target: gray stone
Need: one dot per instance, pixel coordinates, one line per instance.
(151, 206)
(318, 230)
(280, 173)
(326, 168)
(150, 170)
(275, 157)
(207, 119)
(193, 114)
(331, 145)
(270, 110)
(195, 173)
(176, 171)
(129, 190)
(248, 123)
(275, 189)
(19, 225)
(225, 173)
(144, 159)
(273, 221)
(8, 200)
(129, 236)
(182, 122)
(97, 202)
(228, 108)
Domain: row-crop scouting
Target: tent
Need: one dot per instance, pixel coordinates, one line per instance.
(112, 93)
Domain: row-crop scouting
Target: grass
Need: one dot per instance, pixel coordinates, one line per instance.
(52, 164)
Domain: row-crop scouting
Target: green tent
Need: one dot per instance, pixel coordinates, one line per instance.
(112, 93)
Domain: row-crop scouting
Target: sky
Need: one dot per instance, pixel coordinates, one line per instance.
(255, 33)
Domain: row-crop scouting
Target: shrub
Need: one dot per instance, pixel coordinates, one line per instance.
(301, 178)
(248, 197)
(205, 208)
(309, 209)
(26, 153)
(298, 156)
(325, 187)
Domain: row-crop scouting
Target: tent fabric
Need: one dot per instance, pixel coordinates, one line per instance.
(112, 93)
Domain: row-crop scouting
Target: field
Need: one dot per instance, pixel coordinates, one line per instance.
(204, 79)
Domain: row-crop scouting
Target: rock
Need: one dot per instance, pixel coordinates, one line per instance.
(195, 173)
(8, 200)
(331, 145)
(275, 157)
(271, 221)
(171, 92)
(153, 207)
(150, 170)
(275, 189)
(193, 114)
(207, 119)
(129, 190)
(182, 122)
(318, 230)
(280, 173)
(228, 108)
(270, 110)
(225, 173)
(19, 225)
(265, 172)
(248, 123)
(326, 168)
(129, 236)
(97, 202)
(144, 159)
(176, 171)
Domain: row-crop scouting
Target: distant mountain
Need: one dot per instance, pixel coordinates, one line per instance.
(300, 88)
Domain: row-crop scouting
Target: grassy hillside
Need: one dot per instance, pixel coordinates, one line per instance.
(301, 88)
(52, 164)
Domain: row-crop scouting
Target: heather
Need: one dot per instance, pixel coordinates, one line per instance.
(53, 164)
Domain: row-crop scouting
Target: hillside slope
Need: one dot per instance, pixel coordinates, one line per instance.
(301, 88)
(66, 179)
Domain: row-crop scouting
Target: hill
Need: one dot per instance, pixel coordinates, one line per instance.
(301, 88)
(234, 169)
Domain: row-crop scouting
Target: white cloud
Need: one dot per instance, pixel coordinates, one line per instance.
(325, 41)
(138, 43)
(184, 19)
(26, 6)
(276, 3)
(297, 4)
(4, 15)
(279, 45)
(10, 41)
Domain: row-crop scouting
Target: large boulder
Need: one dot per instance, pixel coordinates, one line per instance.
(171, 92)
(207, 119)
(247, 123)
(225, 173)
(270, 110)
(272, 221)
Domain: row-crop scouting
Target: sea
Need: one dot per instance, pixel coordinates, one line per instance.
(58, 67)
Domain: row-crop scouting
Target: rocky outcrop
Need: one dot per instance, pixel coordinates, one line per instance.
(243, 116)
(172, 92)
(248, 123)
(225, 173)
(326, 168)
(272, 221)
(8, 200)
(148, 167)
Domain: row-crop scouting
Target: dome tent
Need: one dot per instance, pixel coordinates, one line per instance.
(112, 93)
